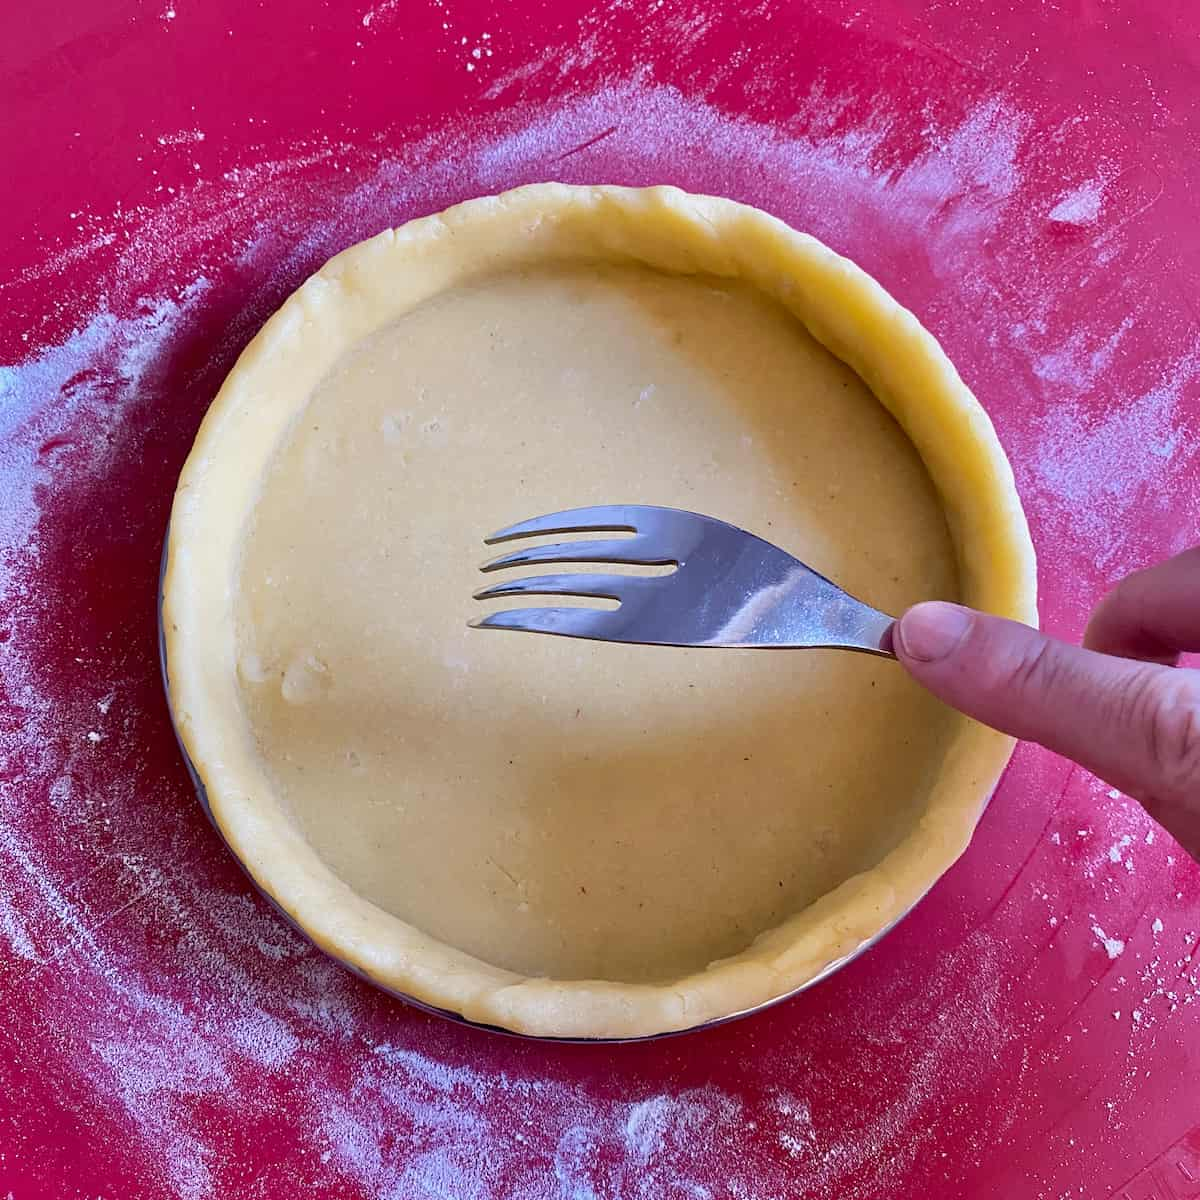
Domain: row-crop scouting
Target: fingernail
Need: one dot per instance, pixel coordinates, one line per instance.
(930, 631)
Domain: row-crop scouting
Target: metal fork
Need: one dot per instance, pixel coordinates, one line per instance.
(729, 587)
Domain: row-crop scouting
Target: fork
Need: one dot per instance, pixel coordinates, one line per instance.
(729, 587)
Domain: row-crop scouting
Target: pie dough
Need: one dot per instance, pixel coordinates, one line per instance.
(559, 837)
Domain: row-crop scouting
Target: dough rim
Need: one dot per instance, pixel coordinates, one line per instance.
(369, 286)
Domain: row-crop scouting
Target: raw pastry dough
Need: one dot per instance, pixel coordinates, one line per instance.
(554, 836)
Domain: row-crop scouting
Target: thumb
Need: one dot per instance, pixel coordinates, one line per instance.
(1135, 724)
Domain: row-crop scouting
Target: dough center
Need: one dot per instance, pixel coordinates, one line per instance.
(559, 807)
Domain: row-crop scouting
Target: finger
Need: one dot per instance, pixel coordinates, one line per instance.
(1152, 615)
(1135, 724)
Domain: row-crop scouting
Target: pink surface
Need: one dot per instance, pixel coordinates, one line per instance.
(1020, 180)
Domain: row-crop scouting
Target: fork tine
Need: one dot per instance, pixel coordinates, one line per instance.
(618, 550)
(610, 586)
(597, 519)
(568, 622)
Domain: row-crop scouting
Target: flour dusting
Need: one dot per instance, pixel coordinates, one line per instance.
(1081, 205)
(1104, 466)
(1113, 947)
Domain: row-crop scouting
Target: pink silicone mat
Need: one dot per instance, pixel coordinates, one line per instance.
(1022, 176)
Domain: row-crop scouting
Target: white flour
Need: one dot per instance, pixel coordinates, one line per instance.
(1113, 947)
(1081, 205)
(1105, 467)
(391, 1103)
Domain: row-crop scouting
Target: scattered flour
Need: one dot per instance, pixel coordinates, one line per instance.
(1081, 205)
(1079, 362)
(372, 15)
(182, 137)
(1104, 467)
(1113, 947)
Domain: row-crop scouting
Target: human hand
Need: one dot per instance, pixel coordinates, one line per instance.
(1119, 705)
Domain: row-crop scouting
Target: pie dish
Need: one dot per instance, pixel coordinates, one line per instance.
(559, 838)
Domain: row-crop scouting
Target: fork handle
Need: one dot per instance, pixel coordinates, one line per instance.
(871, 632)
(819, 614)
